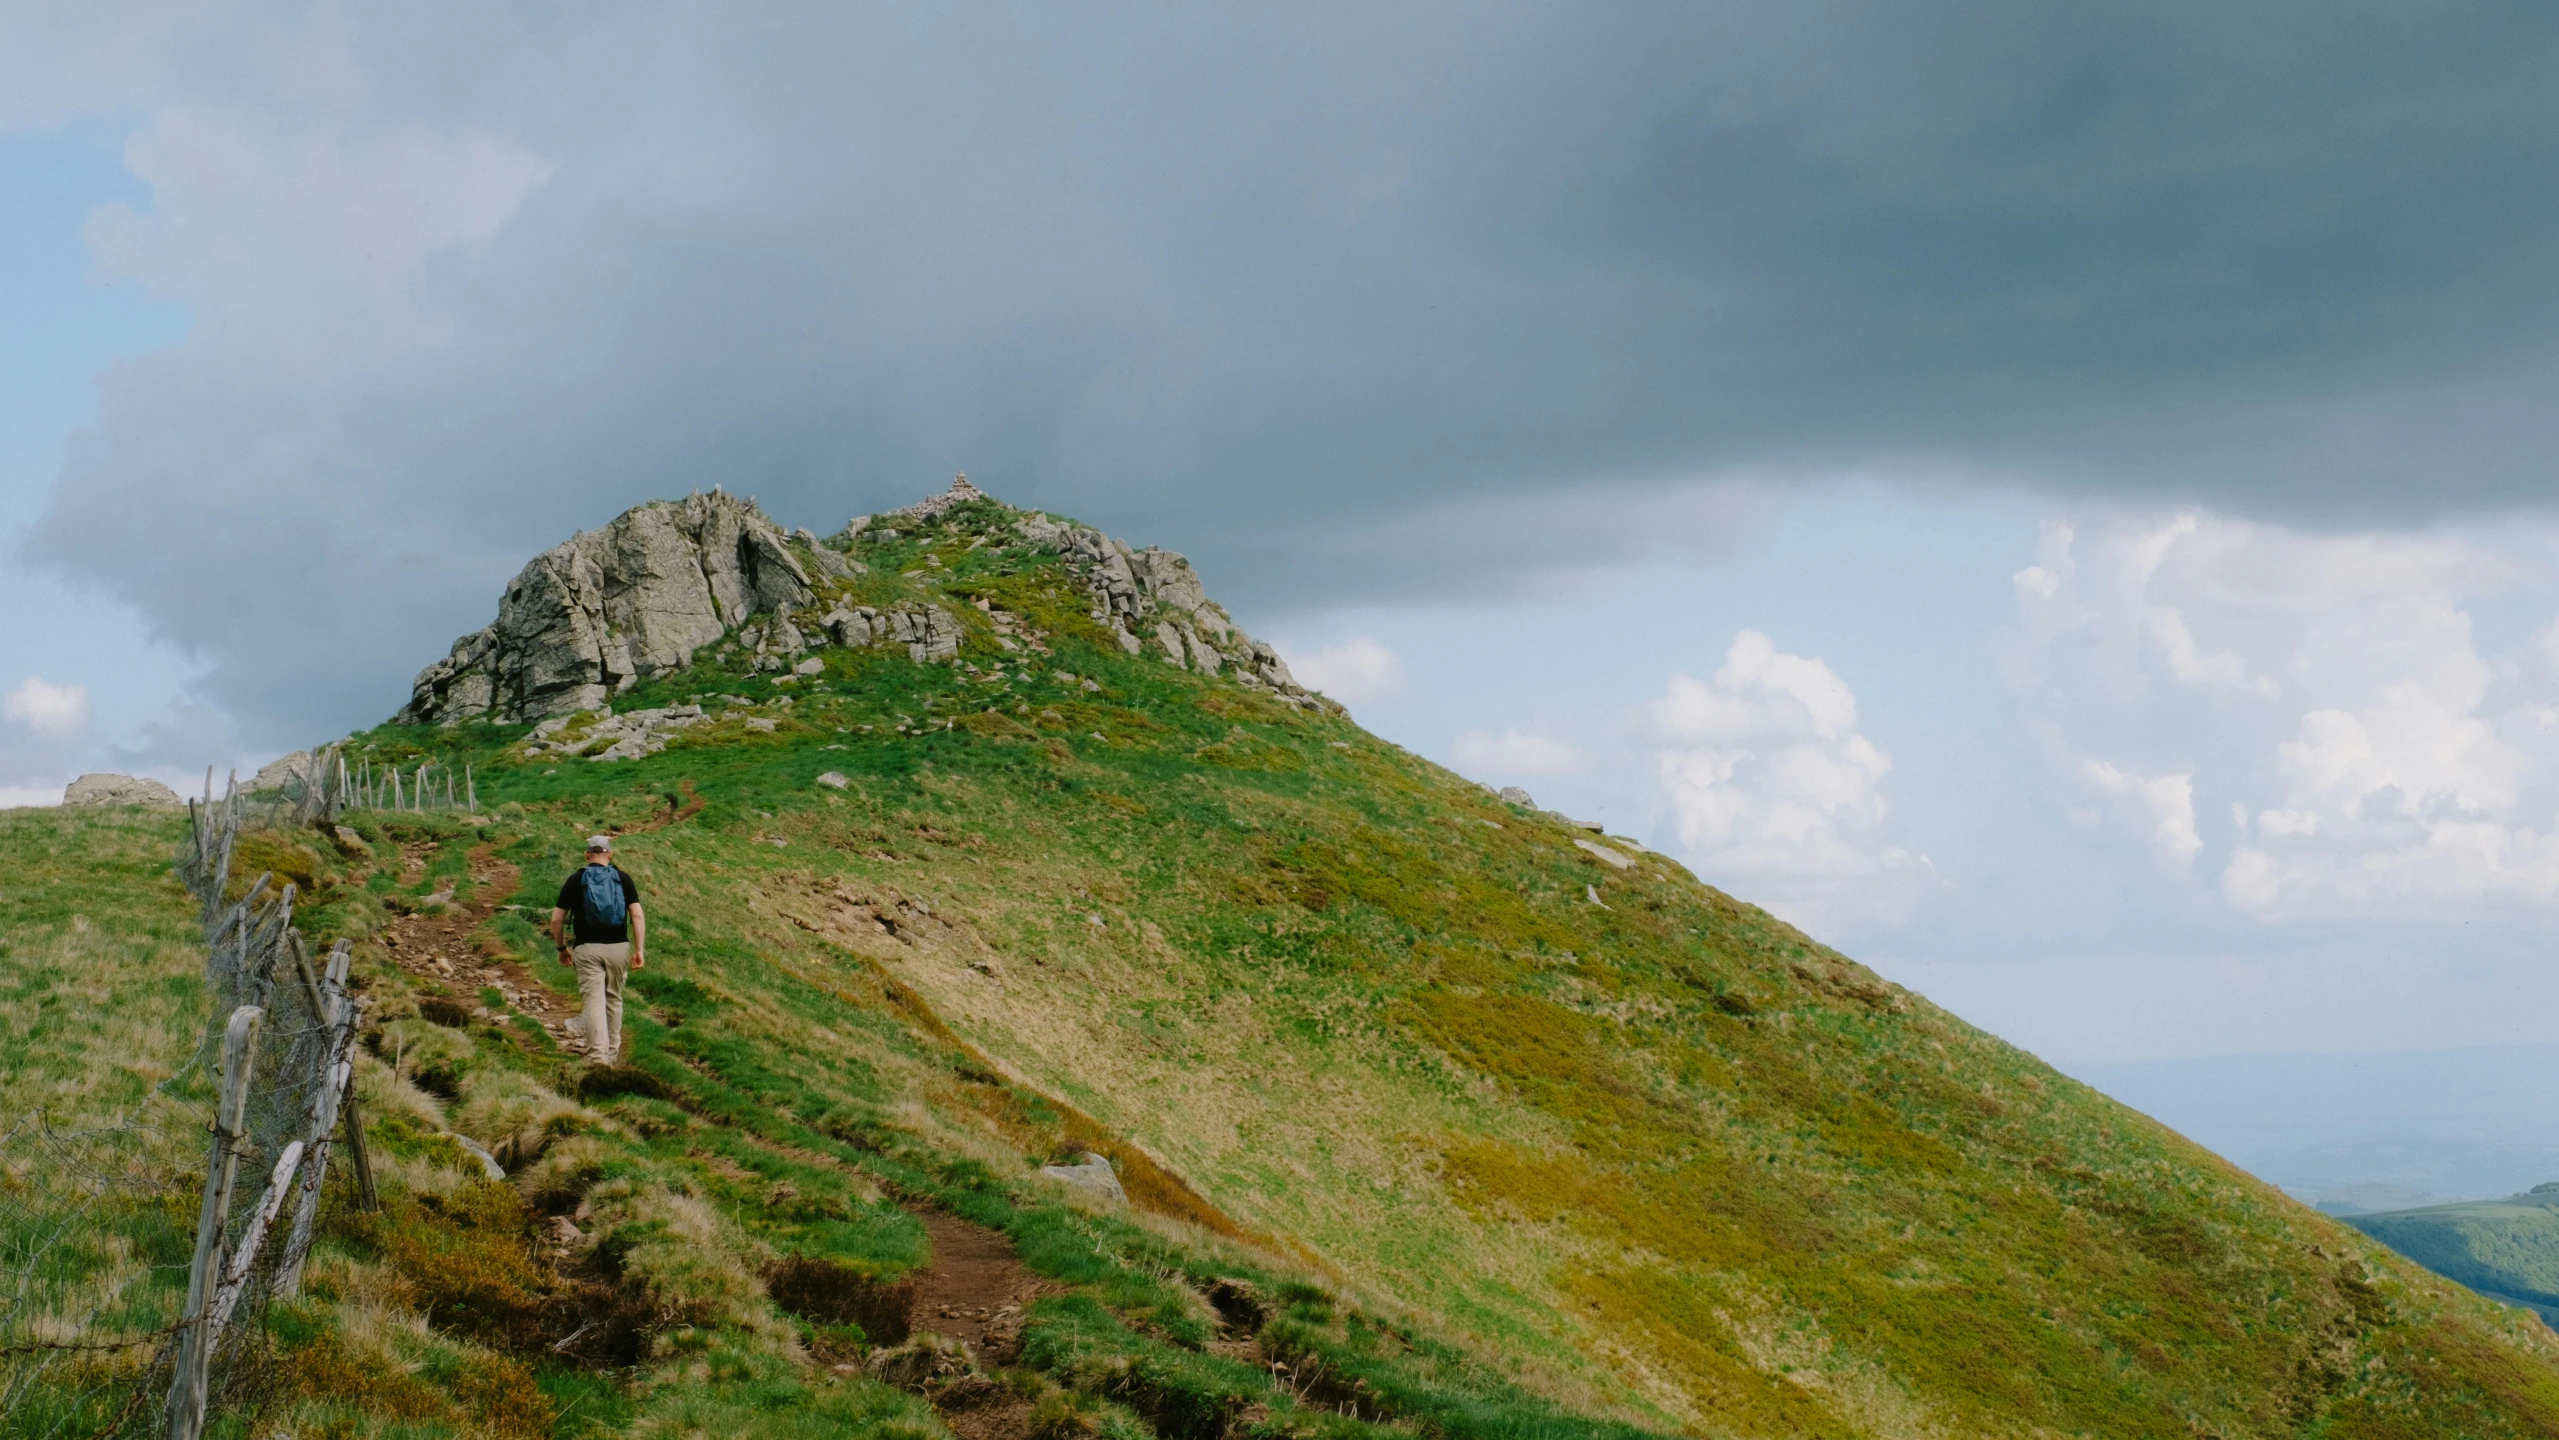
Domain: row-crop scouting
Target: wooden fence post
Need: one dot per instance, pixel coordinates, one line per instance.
(187, 1395)
(337, 1076)
(470, 791)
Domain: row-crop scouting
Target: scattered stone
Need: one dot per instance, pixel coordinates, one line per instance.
(1091, 1174)
(921, 1362)
(763, 724)
(810, 666)
(834, 779)
(104, 789)
(1517, 796)
(1593, 826)
(1606, 856)
(349, 843)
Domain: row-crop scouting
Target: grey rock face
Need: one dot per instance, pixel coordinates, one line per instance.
(103, 789)
(1518, 797)
(928, 632)
(598, 613)
(1155, 593)
(1091, 1174)
(1614, 859)
(282, 771)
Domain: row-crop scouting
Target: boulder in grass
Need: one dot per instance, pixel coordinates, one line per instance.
(1091, 1174)
(120, 790)
(834, 780)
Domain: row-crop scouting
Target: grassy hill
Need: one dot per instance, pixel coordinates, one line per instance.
(1434, 1121)
(2508, 1248)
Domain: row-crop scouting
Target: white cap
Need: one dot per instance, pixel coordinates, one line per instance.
(599, 842)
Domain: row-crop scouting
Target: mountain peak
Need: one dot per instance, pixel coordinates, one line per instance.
(667, 579)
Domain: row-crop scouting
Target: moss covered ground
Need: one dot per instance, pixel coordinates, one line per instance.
(1508, 1141)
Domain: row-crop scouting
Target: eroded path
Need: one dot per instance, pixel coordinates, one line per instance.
(976, 1289)
(434, 941)
(975, 1292)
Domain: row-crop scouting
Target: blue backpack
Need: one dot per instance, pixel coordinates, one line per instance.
(603, 895)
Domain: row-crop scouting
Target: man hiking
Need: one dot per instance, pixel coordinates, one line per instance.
(612, 937)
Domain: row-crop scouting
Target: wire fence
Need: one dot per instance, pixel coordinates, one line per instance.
(122, 1318)
(326, 784)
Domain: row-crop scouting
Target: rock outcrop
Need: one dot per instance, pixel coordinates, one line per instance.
(1154, 594)
(611, 607)
(120, 790)
(646, 594)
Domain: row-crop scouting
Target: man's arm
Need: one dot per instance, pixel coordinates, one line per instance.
(639, 936)
(559, 932)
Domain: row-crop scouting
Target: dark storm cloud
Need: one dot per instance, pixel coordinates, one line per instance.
(1268, 286)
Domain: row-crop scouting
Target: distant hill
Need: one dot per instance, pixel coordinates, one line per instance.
(2508, 1248)
(974, 841)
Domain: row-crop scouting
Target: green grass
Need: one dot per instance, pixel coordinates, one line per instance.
(1510, 1166)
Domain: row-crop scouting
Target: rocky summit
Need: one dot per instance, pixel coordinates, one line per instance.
(601, 612)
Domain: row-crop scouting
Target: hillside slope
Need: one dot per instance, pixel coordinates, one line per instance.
(1533, 1134)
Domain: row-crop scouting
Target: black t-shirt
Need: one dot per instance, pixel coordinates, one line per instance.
(590, 932)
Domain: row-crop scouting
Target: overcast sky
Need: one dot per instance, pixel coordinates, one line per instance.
(2059, 500)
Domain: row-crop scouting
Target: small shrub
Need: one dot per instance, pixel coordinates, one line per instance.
(466, 1258)
(445, 1011)
(604, 1082)
(829, 1293)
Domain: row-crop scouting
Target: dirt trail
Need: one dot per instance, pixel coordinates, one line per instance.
(975, 1292)
(976, 1288)
(435, 944)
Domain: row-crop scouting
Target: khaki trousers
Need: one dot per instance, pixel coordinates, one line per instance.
(601, 971)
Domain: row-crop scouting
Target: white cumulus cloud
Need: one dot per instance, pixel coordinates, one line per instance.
(53, 711)
(1516, 753)
(2165, 803)
(2332, 687)
(1768, 779)
(1358, 669)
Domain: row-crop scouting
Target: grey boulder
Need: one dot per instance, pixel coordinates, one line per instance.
(1091, 1174)
(120, 790)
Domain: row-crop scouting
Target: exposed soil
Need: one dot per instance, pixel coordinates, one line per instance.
(976, 1289)
(974, 1292)
(434, 943)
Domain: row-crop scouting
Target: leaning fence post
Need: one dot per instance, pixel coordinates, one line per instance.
(329, 1000)
(187, 1395)
(470, 791)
